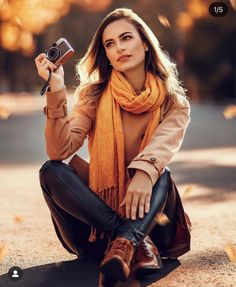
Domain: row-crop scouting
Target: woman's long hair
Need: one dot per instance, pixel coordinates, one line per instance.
(94, 69)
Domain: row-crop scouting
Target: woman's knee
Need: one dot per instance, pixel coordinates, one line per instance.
(164, 181)
(47, 169)
(166, 174)
(50, 164)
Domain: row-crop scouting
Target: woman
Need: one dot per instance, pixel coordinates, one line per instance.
(135, 113)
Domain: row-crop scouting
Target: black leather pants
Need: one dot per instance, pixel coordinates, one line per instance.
(75, 208)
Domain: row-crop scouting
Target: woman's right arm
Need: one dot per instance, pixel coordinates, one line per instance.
(64, 134)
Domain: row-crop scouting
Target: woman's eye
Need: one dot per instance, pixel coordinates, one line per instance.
(126, 37)
(108, 44)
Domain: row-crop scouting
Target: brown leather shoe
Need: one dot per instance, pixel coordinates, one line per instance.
(116, 264)
(147, 258)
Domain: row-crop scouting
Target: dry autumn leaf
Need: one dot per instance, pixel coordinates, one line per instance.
(230, 112)
(164, 21)
(3, 251)
(4, 113)
(18, 218)
(18, 21)
(162, 219)
(189, 189)
(231, 252)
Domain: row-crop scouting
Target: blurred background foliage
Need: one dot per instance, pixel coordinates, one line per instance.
(203, 46)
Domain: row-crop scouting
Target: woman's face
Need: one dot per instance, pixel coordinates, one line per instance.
(123, 45)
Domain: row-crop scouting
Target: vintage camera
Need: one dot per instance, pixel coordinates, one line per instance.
(60, 52)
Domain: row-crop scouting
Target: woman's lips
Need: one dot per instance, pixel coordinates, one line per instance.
(123, 58)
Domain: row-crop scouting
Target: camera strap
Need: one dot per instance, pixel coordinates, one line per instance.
(46, 84)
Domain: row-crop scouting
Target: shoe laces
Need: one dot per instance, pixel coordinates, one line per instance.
(121, 247)
(143, 251)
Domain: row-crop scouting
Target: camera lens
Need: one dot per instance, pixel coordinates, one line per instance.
(53, 53)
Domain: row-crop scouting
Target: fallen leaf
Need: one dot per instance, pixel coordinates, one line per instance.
(3, 251)
(162, 219)
(164, 21)
(18, 218)
(18, 21)
(231, 252)
(188, 189)
(4, 113)
(230, 112)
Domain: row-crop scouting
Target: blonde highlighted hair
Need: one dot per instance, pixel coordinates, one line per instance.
(94, 69)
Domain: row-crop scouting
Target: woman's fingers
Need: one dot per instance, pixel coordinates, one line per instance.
(49, 66)
(147, 203)
(141, 207)
(38, 60)
(134, 205)
(42, 61)
(41, 57)
(128, 202)
(44, 65)
(136, 202)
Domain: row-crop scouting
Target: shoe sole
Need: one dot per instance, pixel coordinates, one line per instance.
(142, 271)
(114, 269)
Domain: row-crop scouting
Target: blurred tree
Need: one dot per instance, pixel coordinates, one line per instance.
(203, 46)
(20, 21)
(210, 56)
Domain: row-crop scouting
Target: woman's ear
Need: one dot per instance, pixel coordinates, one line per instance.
(145, 47)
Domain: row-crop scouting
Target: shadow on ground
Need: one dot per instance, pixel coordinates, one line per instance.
(76, 273)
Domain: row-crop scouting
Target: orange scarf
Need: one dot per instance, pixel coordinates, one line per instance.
(106, 141)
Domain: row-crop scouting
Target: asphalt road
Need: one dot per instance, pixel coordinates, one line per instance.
(22, 139)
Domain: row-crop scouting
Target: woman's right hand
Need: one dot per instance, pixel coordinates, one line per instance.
(57, 77)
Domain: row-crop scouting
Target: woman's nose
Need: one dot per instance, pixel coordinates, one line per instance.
(120, 47)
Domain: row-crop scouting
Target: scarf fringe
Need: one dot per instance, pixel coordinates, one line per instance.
(110, 197)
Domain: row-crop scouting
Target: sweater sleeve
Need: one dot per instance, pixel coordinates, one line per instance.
(165, 142)
(65, 134)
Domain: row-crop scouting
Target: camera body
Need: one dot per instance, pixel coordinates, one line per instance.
(60, 52)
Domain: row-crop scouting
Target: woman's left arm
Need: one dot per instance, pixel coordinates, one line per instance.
(165, 142)
(149, 164)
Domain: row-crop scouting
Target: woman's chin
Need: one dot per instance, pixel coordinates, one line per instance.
(126, 68)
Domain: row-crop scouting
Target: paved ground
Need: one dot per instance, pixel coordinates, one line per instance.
(206, 165)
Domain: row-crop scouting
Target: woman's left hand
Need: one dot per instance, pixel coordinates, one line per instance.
(138, 195)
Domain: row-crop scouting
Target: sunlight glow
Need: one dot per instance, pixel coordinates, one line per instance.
(21, 19)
